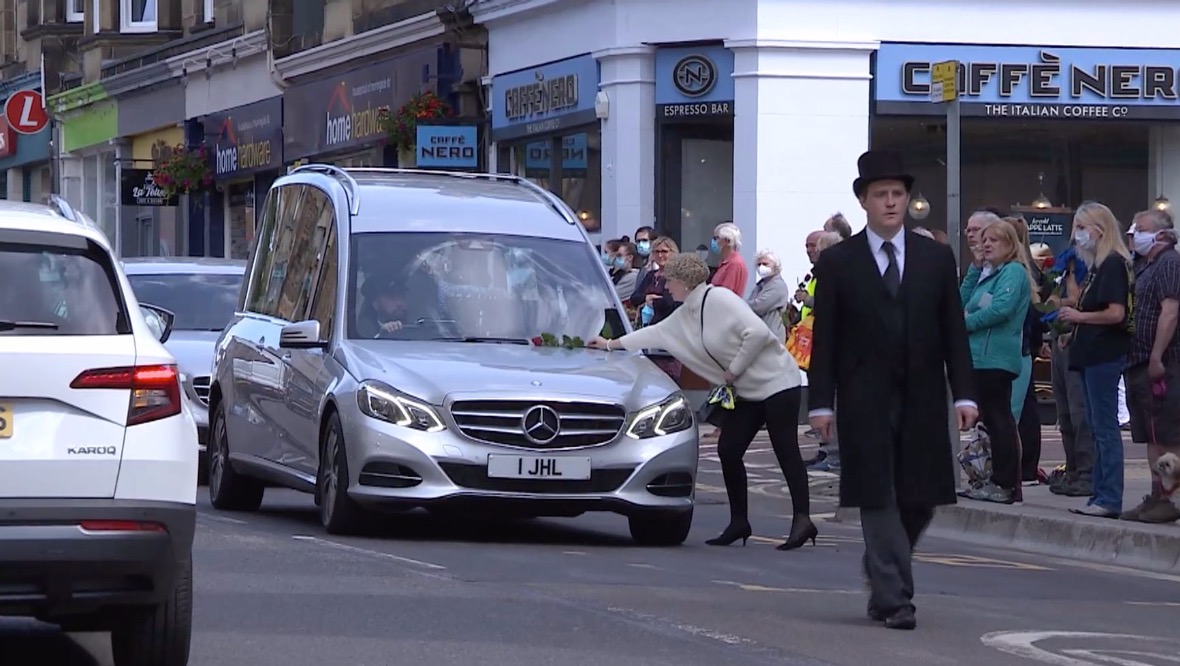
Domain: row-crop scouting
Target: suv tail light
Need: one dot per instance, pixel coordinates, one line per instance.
(155, 389)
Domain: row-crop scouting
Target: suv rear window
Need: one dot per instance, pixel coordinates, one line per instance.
(51, 290)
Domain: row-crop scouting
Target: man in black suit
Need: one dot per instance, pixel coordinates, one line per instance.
(888, 332)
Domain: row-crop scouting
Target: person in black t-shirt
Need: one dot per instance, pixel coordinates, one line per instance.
(1100, 345)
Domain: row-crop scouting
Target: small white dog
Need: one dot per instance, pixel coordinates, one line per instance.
(1168, 468)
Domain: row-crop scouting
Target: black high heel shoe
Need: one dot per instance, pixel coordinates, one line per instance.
(731, 534)
(802, 530)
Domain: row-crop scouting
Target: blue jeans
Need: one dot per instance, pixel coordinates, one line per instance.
(1102, 410)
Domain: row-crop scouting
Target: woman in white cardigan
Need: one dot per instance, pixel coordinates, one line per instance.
(727, 343)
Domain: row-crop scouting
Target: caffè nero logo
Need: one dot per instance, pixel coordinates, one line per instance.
(1089, 91)
(542, 97)
(694, 75)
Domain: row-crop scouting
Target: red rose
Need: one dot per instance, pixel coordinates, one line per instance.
(537, 341)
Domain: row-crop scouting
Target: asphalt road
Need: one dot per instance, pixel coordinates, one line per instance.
(273, 589)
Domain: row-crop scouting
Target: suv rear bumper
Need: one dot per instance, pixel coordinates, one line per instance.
(50, 567)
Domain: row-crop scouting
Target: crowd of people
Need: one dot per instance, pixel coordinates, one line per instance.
(1103, 311)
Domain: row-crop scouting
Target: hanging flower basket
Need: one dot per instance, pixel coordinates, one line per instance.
(401, 126)
(184, 171)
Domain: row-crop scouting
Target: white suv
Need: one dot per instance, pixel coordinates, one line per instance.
(98, 454)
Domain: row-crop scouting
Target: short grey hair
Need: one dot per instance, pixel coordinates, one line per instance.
(730, 232)
(771, 258)
(827, 239)
(986, 217)
(688, 268)
(838, 223)
(1161, 221)
(923, 231)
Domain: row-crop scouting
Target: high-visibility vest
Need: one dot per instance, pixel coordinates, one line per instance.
(810, 289)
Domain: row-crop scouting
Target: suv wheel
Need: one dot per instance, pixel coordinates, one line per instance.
(338, 512)
(660, 529)
(228, 490)
(161, 635)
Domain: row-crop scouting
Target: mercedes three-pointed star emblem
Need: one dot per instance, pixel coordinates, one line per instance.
(541, 424)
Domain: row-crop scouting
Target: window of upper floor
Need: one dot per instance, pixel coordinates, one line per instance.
(75, 11)
(207, 12)
(137, 15)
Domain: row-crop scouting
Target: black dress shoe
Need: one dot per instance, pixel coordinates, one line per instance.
(902, 618)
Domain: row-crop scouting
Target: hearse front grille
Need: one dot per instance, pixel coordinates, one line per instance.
(580, 424)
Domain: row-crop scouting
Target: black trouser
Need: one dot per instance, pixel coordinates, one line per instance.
(780, 414)
(995, 410)
(1029, 427)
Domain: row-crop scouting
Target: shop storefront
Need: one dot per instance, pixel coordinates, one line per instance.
(247, 148)
(336, 118)
(694, 135)
(546, 128)
(88, 125)
(24, 158)
(1044, 128)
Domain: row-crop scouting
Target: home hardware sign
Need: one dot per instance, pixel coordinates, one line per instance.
(1066, 83)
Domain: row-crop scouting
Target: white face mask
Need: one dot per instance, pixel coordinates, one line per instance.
(1143, 241)
(763, 271)
(1083, 238)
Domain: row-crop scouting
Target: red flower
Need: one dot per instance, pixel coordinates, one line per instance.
(537, 341)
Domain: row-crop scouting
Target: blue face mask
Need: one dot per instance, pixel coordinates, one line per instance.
(646, 313)
(605, 258)
(714, 247)
(621, 263)
(644, 248)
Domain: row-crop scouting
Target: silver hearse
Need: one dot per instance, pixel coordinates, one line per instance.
(393, 349)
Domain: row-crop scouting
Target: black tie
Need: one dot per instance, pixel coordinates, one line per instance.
(892, 275)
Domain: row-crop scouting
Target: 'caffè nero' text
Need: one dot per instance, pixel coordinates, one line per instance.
(1050, 79)
(540, 98)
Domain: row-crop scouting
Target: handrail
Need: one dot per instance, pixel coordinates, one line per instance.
(550, 198)
(346, 180)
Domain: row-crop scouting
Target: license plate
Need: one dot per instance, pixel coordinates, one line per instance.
(539, 467)
(5, 420)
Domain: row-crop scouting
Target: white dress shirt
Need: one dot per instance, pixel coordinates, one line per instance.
(877, 247)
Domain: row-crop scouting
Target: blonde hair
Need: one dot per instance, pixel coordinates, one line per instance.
(1008, 232)
(1094, 214)
(665, 242)
(827, 239)
(688, 268)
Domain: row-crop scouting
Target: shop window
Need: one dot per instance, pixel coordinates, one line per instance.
(580, 166)
(138, 15)
(75, 11)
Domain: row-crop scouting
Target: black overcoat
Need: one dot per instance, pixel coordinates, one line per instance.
(890, 382)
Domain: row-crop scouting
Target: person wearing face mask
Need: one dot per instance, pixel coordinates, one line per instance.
(731, 272)
(719, 337)
(651, 295)
(1100, 345)
(622, 270)
(608, 252)
(770, 295)
(643, 238)
(1153, 364)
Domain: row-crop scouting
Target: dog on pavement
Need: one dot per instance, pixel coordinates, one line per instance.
(1168, 469)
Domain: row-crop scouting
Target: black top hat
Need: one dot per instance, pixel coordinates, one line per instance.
(880, 165)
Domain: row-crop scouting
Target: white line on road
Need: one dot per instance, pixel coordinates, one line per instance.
(1165, 604)
(1022, 644)
(366, 551)
(220, 519)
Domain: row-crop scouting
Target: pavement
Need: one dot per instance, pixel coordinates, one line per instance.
(272, 589)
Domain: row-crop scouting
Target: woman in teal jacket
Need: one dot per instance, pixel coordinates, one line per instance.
(996, 297)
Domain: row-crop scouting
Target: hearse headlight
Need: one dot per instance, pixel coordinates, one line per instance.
(379, 401)
(669, 416)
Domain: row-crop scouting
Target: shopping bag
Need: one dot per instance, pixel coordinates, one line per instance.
(976, 456)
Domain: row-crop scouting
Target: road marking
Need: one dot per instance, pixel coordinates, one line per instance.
(365, 551)
(1113, 569)
(749, 587)
(642, 565)
(975, 561)
(221, 519)
(1023, 644)
(728, 639)
(573, 552)
(1107, 657)
(1165, 604)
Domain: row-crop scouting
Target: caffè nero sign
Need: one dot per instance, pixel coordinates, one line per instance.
(1034, 82)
